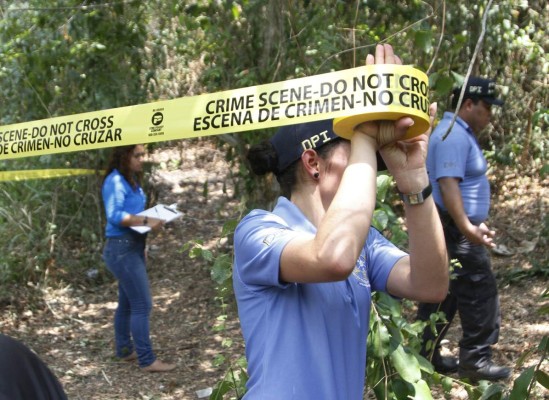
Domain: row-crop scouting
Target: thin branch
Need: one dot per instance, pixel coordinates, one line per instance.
(440, 38)
(106, 377)
(294, 35)
(407, 27)
(354, 31)
(37, 95)
(82, 7)
(471, 63)
(537, 368)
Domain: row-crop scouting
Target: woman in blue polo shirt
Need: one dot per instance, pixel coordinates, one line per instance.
(124, 255)
(303, 273)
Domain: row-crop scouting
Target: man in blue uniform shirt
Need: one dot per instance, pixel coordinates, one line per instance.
(457, 171)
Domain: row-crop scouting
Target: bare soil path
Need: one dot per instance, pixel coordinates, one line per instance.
(72, 329)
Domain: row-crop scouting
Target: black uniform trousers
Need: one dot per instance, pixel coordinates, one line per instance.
(472, 293)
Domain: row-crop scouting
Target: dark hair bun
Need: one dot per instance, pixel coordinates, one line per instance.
(263, 158)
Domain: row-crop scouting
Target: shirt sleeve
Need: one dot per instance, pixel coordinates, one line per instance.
(450, 157)
(114, 195)
(382, 257)
(260, 239)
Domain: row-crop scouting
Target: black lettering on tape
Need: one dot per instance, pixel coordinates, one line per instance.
(61, 128)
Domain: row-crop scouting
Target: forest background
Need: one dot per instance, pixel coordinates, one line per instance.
(65, 57)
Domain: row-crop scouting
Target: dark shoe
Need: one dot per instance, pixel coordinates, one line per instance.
(445, 365)
(489, 372)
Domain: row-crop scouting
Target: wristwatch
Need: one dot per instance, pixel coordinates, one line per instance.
(145, 220)
(416, 198)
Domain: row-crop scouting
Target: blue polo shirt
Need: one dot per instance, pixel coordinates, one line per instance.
(120, 199)
(303, 341)
(459, 156)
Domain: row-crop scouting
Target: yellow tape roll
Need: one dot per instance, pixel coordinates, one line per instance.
(391, 92)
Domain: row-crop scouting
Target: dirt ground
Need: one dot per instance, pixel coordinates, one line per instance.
(72, 332)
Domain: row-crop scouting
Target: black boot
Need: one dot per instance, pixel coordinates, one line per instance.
(444, 365)
(489, 371)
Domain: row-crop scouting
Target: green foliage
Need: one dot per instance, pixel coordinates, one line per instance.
(514, 275)
(36, 218)
(219, 261)
(385, 219)
(59, 59)
(234, 380)
(395, 370)
(544, 309)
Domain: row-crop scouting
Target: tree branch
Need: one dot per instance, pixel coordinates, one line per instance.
(440, 38)
(471, 63)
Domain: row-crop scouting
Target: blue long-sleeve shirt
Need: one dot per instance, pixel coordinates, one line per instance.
(120, 199)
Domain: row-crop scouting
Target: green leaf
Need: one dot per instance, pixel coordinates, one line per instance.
(425, 365)
(220, 390)
(207, 255)
(544, 344)
(229, 227)
(221, 269)
(542, 378)
(423, 40)
(380, 220)
(443, 85)
(521, 384)
(380, 340)
(523, 357)
(235, 9)
(422, 390)
(493, 392)
(447, 384)
(401, 389)
(195, 252)
(383, 183)
(433, 79)
(458, 78)
(540, 114)
(242, 362)
(218, 360)
(390, 304)
(406, 365)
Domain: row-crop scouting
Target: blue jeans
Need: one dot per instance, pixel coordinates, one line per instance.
(125, 258)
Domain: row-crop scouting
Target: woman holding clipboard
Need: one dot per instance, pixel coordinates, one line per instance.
(124, 255)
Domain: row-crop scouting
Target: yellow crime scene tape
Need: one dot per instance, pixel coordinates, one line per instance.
(352, 96)
(8, 176)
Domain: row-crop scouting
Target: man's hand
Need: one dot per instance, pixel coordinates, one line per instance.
(480, 235)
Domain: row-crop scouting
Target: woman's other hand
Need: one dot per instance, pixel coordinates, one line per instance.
(155, 223)
(405, 159)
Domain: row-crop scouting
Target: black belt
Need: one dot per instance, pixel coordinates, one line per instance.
(129, 237)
